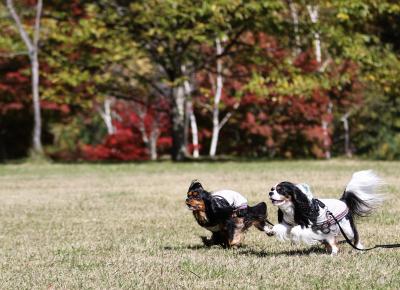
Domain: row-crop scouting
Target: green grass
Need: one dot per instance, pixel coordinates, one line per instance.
(126, 226)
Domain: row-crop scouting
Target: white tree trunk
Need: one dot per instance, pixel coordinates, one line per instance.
(37, 128)
(106, 115)
(33, 50)
(190, 116)
(325, 132)
(313, 11)
(149, 139)
(153, 141)
(195, 132)
(295, 20)
(217, 99)
(345, 120)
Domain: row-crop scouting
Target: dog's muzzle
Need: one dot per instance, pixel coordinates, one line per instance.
(190, 207)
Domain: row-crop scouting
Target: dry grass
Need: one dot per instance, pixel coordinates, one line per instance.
(126, 226)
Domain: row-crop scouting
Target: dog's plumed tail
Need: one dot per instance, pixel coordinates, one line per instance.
(362, 194)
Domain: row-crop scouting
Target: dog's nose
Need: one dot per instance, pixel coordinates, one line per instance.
(271, 193)
(187, 200)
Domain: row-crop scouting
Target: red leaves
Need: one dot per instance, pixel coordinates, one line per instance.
(122, 146)
(51, 106)
(127, 143)
(306, 62)
(4, 108)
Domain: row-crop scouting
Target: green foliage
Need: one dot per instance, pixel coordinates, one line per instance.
(70, 136)
(84, 57)
(136, 50)
(173, 32)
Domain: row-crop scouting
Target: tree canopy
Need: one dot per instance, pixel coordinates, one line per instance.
(300, 78)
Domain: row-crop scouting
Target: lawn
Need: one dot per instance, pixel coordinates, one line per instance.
(126, 226)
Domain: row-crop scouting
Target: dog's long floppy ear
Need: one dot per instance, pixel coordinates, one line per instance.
(195, 186)
(258, 211)
(280, 216)
(304, 212)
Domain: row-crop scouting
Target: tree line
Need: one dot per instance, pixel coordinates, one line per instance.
(136, 80)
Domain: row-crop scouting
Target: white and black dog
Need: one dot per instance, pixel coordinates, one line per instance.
(303, 218)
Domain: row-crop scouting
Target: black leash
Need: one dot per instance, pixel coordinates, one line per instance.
(389, 246)
(271, 224)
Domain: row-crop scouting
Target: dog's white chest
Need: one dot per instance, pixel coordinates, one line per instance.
(288, 214)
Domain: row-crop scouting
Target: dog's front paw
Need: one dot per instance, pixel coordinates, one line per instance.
(295, 234)
(281, 232)
(269, 231)
(206, 241)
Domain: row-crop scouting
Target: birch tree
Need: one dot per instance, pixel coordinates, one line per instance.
(217, 99)
(32, 45)
(150, 136)
(190, 116)
(106, 115)
(295, 20)
(313, 11)
(345, 120)
(173, 33)
(217, 123)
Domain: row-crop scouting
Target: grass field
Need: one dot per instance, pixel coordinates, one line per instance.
(126, 226)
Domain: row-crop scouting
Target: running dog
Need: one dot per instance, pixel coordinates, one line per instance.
(303, 218)
(225, 214)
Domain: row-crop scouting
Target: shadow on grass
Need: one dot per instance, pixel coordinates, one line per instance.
(200, 247)
(306, 252)
(246, 251)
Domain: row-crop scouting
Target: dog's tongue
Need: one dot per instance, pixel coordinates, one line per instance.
(275, 201)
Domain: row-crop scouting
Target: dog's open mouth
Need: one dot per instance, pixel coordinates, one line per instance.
(191, 207)
(277, 201)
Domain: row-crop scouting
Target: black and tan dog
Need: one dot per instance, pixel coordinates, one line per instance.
(225, 213)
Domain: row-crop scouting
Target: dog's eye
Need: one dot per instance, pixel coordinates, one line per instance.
(272, 188)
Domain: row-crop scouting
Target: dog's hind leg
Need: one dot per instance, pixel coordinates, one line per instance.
(235, 232)
(331, 245)
(260, 224)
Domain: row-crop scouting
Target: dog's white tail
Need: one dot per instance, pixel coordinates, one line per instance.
(362, 194)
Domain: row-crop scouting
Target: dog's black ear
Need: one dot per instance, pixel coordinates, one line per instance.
(195, 186)
(300, 198)
(304, 213)
(220, 208)
(280, 216)
(259, 210)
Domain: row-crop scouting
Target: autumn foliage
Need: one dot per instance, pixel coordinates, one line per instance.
(278, 101)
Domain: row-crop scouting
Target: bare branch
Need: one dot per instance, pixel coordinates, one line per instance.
(227, 116)
(39, 8)
(13, 54)
(20, 27)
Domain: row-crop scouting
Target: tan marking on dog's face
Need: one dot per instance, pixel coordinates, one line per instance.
(194, 202)
(192, 193)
